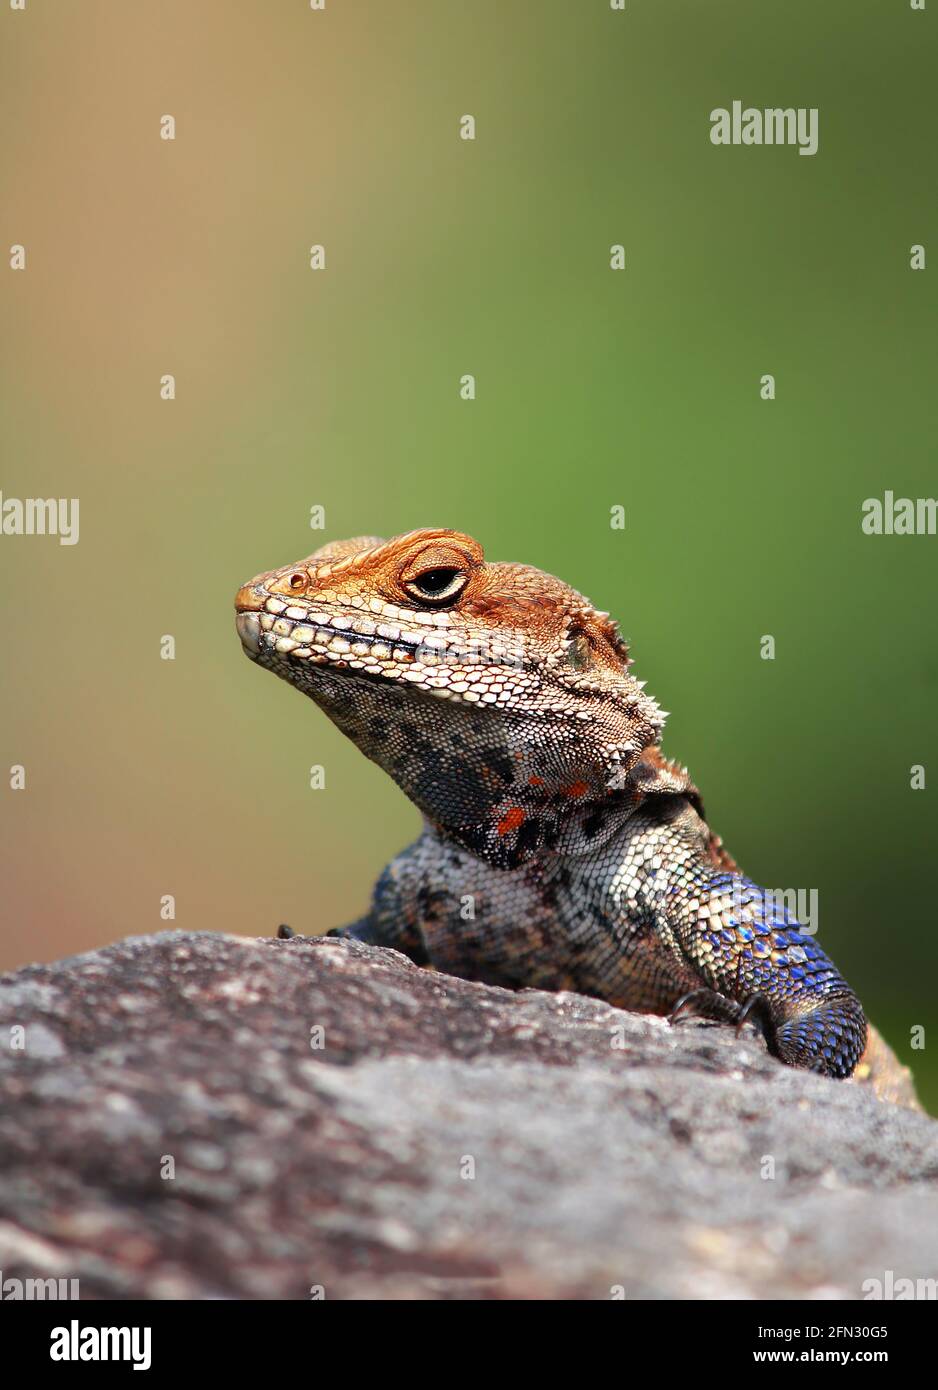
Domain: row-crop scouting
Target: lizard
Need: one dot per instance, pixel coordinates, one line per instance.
(560, 848)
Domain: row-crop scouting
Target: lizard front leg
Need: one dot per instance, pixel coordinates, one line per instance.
(740, 946)
(392, 919)
(751, 950)
(442, 906)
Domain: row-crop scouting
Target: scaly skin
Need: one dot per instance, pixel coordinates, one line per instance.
(560, 849)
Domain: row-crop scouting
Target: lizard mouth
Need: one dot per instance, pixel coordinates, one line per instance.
(311, 640)
(292, 639)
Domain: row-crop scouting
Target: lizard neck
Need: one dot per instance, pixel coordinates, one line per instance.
(492, 783)
(538, 816)
(522, 829)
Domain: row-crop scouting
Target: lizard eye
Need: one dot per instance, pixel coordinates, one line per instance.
(297, 581)
(437, 586)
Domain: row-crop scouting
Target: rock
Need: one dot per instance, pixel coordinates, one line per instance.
(445, 1140)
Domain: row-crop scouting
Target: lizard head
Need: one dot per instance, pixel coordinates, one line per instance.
(496, 696)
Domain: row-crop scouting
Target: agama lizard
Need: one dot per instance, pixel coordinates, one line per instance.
(560, 849)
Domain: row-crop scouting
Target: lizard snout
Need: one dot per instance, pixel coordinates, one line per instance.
(249, 630)
(249, 603)
(248, 600)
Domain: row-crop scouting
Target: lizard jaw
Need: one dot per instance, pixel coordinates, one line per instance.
(338, 649)
(295, 639)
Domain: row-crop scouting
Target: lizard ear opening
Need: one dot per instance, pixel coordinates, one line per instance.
(579, 652)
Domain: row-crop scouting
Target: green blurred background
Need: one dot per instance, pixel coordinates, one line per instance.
(340, 388)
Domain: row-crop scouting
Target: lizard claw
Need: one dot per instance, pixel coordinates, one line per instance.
(704, 1003)
(709, 1003)
(757, 1007)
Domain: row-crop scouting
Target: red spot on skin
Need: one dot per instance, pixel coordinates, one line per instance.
(512, 818)
(535, 781)
(577, 789)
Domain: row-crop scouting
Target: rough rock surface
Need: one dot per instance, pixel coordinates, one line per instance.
(597, 1167)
